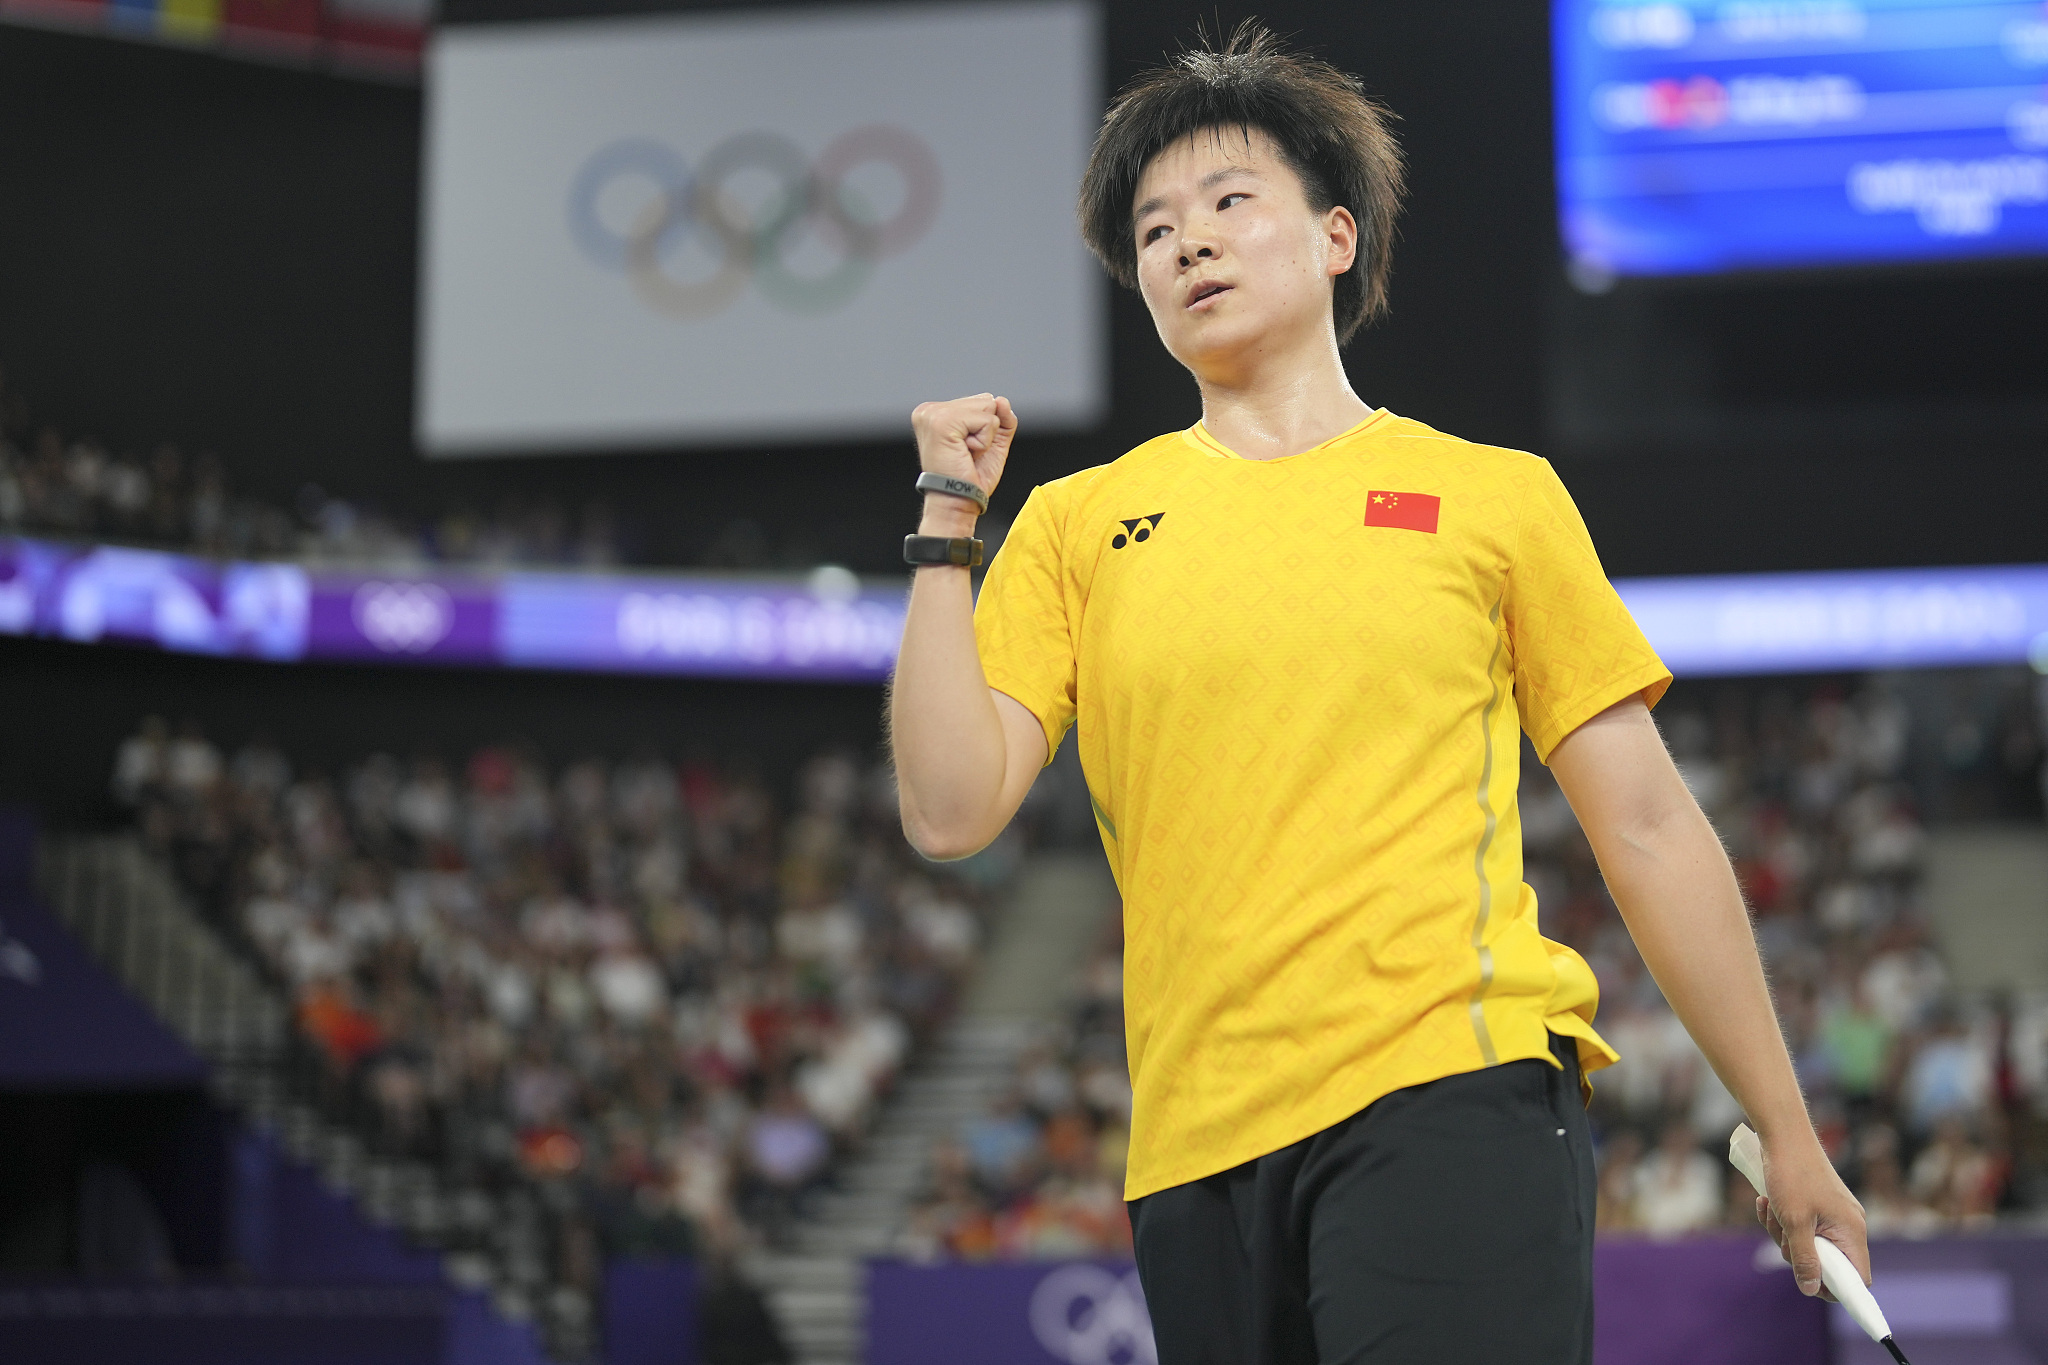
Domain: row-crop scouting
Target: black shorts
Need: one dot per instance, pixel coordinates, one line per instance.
(1446, 1224)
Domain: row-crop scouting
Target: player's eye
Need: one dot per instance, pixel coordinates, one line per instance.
(1225, 201)
(1153, 234)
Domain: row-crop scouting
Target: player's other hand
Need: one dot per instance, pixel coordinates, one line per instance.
(966, 438)
(1807, 1200)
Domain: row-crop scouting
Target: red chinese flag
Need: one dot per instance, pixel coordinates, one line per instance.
(1408, 511)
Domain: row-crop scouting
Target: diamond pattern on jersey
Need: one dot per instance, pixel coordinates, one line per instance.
(1282, 713)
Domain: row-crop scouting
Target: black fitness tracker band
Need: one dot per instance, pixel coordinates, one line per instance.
(960, 550)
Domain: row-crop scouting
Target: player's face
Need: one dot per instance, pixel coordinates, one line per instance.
(1232, 261)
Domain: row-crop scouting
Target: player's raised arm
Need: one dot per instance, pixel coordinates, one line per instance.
(965, 754)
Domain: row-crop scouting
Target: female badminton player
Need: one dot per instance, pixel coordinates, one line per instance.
(1298, 642)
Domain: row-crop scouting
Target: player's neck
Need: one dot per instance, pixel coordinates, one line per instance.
(1272, 407)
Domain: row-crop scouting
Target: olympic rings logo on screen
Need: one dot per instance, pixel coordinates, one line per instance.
(688, 239)
(1085, 1315)
(403, 618)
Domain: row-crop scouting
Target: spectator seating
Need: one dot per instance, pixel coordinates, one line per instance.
(73, 486)
(652, 992)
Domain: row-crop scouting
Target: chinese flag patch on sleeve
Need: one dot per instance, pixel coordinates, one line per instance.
(1408, 511)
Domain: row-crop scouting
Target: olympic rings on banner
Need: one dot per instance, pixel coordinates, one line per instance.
(1085, 1315)
(809, 199)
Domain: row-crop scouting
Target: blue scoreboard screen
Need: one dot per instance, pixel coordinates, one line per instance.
(1707, 135)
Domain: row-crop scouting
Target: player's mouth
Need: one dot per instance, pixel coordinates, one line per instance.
(1201, 295)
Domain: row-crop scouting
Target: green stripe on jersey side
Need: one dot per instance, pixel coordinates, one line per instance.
(1478, 1007)
(1102, 815)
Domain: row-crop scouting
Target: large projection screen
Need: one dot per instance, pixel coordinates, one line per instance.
(727, 229)
(1696, 136)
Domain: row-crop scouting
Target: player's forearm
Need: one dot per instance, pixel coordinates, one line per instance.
(1678, 895)
(947, 737)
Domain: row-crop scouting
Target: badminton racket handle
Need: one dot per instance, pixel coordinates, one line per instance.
(1837, 1272)
(1843, 1280)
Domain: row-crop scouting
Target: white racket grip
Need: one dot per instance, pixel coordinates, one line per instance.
(1746, 1154)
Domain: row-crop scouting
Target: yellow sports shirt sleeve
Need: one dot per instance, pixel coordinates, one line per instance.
(1021, 620)
(1577, 651)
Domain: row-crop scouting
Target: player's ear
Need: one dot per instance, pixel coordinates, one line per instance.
(1341, 231)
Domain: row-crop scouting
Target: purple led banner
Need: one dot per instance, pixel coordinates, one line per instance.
(444, 619)
(91, 594)
(698, 626)
(1849, 621)
(687, 625)
(1706, 1301)
(835, 630)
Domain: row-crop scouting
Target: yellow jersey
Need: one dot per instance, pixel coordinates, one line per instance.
(1297, 686)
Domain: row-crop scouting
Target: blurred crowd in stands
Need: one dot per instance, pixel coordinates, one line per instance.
(1041, 1173)
(79, 489)
(657, 993)
(1933, 1104)
(74, 486)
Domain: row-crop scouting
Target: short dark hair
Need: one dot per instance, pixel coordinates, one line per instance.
(1330, 133)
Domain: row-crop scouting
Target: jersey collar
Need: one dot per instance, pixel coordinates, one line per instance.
(1209, 445)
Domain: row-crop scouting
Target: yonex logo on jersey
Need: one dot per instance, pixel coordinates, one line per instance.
(1137, 528)
(1404, 511)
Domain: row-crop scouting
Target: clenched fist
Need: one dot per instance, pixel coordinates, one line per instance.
(966, 438)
